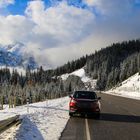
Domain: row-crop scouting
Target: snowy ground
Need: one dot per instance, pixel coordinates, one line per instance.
(130, 88)
(45, 120)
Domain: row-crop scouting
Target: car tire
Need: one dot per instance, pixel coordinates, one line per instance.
(83, 115)
(97, 116)
(70, 114)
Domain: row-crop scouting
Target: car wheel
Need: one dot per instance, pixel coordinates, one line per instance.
(70, 114)
(97, 116)
(82, 115)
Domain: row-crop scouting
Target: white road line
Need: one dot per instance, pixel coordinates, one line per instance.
(87, 130)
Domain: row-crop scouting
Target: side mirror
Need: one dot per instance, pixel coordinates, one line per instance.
(99, 98)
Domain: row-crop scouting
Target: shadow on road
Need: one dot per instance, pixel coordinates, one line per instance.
(120, 118)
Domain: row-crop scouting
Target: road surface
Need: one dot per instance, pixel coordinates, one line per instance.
(120, 120)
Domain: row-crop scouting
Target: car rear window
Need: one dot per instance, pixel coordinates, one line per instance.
(85, 95)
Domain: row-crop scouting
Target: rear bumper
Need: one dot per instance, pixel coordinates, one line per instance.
(80, 111)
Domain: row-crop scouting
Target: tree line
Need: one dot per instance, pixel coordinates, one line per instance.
(16, 89)
(112, 65)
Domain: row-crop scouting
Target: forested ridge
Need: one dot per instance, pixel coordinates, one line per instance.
(110, 66)
(114, 64)
(16, 89)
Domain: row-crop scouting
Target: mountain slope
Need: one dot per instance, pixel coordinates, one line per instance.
(110, 65)
(128, 88)
(15, 56)
(114, 64)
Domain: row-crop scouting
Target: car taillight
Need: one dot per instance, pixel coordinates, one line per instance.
(72, 102)
(96, 106)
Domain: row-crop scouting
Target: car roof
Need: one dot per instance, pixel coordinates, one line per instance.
(84, 91)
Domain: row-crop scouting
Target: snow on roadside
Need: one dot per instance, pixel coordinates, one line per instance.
(45, 120)
(130, 88)
(10, 133)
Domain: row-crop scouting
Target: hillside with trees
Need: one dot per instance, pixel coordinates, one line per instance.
(114, 64)
(16, 89)
(110, 66)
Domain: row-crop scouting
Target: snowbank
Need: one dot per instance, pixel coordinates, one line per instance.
(129, 88)
(45, 120)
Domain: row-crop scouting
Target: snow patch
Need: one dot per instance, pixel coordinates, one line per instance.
(82, 74)
(45, 120)
(129, 88)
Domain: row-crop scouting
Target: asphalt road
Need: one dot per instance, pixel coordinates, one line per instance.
(120, 120)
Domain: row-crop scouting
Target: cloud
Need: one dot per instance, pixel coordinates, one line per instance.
(64, 32)
(109, 7)
(14, 29)
(4, 3)
(55, 29)
(50, 27)
(60, 25)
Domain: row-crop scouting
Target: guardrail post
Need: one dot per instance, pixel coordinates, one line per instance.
(1, 103)
(27, 105)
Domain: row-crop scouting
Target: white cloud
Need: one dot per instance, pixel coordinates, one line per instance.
(14, 29)
(42, 29)
(47, 27)
(61, 33)
(62, 24)
(111, 7)
(91, 2)
(4, 3)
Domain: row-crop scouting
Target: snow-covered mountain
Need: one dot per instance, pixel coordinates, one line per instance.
(128, 88)
(14, 55)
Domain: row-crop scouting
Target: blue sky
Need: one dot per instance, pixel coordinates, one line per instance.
(55, 26)
(19, 6)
